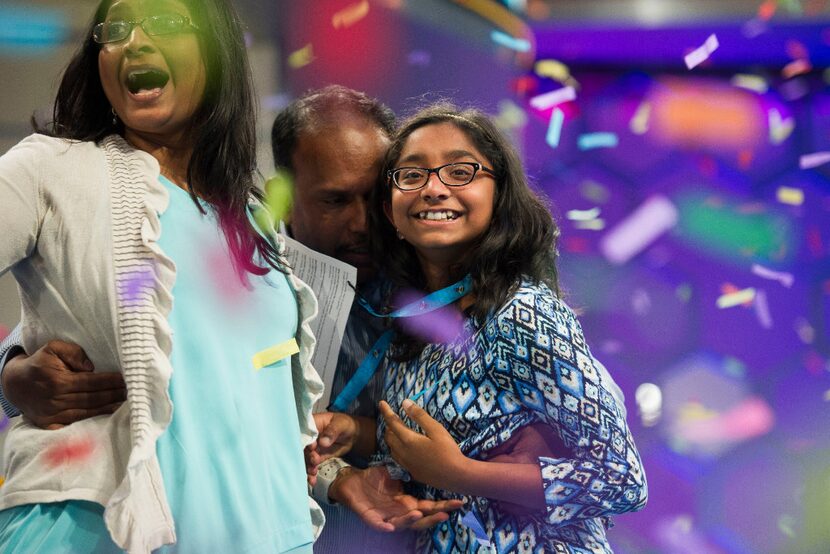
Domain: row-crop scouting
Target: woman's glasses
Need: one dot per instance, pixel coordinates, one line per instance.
(155, 25)
(453, 175)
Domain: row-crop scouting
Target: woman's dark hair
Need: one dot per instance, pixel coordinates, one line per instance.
(521, 240)
(223, 129)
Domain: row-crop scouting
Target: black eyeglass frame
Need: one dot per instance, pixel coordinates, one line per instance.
(390, 174)
(187, 23)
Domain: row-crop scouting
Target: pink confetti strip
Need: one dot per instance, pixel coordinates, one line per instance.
(796, 67)
(785, 279)
(553, 98)
(809, 161)
(636, 232)
(701, 54)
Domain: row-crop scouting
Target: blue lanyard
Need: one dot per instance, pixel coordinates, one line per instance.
(369, 365)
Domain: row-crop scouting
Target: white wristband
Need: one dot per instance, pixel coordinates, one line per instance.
(326, 474)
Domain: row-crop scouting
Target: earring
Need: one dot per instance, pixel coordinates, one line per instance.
(400, 235)
(114, 117)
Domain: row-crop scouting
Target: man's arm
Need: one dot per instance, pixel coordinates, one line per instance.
(9, 348)
(57, 385)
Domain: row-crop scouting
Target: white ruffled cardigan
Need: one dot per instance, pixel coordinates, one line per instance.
(79, 224)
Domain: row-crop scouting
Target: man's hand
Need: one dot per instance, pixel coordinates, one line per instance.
(337, 434)
(381, 503)
(56, 386)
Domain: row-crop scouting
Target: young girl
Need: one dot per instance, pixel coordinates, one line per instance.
(456, 214)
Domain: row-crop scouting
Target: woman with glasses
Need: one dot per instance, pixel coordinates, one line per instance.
(455, 219)
(126, 224)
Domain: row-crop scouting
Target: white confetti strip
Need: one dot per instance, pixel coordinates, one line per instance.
(553, 98)
(702, 53)
(809, 161)
(785, 279)
(636, 232)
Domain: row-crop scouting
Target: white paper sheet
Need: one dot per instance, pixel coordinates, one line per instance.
(329, 278)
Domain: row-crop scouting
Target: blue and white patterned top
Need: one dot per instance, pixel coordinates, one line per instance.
(528, 363)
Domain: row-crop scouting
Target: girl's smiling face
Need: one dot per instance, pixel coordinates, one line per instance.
(154, 83)
(440, 221)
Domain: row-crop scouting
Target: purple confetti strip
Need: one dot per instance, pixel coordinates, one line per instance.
(809, 161)
(134, 284)
(762, 309)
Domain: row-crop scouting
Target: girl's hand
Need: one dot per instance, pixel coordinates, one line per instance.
(433, 458)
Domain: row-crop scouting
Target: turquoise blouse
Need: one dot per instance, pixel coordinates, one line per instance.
(231, 459)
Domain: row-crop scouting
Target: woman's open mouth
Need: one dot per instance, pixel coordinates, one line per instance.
(146, 82)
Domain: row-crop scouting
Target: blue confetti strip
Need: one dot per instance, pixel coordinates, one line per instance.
(557, 118)
(518, 44)
(598, 140)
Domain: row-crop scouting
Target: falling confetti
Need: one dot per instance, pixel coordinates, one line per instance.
(275, 353)
(136, 283)
(419, 58)
(779, 129)
(809, 161)
(754, 28)
(471, 521)
(350, 15)
(645, 225)
(554, 69)
(302, 57)
(553, 98)
(279, 196)
(639, 123)
(789, 195)
(592, 225)
(762, 310)
(737, 298)
(649, 399)
(767, 9)
(554, 134)
(786, 279)
(796, 67)
(590, 141)
(73, 450)
(517, 44)
(583, 215)
(444, 325)
(755, 83)
(702, 53)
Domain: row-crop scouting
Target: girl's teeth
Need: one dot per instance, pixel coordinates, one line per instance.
(437, 216)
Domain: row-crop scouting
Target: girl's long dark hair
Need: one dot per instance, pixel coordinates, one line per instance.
(521, 240)
(223, 131)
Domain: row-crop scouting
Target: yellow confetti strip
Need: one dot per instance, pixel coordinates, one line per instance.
(755, 83)
(789, 195)
(301, 57)
(736, 298)
(275, 354)
(351, 15)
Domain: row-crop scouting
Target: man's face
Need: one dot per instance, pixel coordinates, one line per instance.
(335, 169)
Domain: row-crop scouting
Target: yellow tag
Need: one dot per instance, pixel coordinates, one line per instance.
(275, 353)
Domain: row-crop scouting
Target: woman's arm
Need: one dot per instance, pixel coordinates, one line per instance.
(549, 369)
(435, 459)
(20, 209)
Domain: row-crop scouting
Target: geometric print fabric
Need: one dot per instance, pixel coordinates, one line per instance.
(528, 363)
